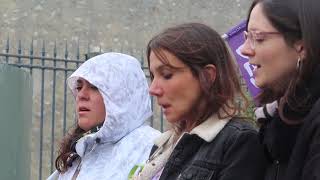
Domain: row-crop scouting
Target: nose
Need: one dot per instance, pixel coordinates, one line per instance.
(155, 89)
(246, 49)
(83, 94)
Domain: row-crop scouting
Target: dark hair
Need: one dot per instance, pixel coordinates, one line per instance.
(307, 89)
(310, 25)
(294, 26)
(67, 151)
(198, 45)
(282, 15)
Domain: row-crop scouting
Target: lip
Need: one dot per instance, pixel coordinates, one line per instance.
(83, 113)
(165, 108)
(256, 67)
(254, 71)
(82, 110)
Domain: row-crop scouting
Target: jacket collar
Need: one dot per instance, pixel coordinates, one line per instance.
(209, 129)
(163, 138)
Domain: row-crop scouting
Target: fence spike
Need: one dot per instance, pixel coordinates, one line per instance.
(66, 51)
(31, 47)
(43, 51)
(7, 45)
(7, 50)
(55, 49)
(78, 51)
(88, 52)
(142, 58)
(19, 47)
(19, 51)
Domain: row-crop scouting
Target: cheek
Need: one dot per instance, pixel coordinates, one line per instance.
(101, 110)
(278, 72)
(191, 94)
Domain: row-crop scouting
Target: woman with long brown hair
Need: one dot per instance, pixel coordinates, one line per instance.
(195, 81)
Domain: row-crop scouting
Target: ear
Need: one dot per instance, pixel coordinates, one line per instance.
(211, 72)
(299, 46)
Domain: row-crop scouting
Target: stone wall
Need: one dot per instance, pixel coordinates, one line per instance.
(109, 23)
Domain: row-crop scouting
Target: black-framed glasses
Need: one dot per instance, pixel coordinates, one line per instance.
(254, 37)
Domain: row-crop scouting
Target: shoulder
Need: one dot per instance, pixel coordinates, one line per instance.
(146, 131)
(238, 131)
(240, 125)
(315, 111)
(312, 120)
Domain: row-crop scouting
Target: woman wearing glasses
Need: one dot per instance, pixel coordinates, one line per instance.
(282, 43)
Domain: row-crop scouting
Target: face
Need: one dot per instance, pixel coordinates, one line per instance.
(177, 90)
(274, 60)
(89, 105)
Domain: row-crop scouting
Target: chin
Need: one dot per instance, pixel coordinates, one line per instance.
(83, 124)
(259, 84)
(170, 119)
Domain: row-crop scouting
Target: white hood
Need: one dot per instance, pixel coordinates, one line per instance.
(125, 140)
(124, 89)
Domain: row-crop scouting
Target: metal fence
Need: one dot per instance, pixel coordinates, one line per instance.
(53, 111)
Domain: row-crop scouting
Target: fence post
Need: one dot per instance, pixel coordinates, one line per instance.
(16, 122)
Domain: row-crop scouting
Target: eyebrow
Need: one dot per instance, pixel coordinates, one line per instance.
(161, 67)
(170, 67)
(79, 82)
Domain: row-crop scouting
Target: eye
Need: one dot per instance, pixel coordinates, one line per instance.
(78, 88)
(167, 75)
(259, 38)
(93, 87)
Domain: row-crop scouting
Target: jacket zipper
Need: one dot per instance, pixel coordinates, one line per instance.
(277, 169)
(76, 173)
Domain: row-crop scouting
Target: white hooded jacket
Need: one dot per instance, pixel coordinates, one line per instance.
(124, 140)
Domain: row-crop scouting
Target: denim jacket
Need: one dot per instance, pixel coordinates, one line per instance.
(235, 153)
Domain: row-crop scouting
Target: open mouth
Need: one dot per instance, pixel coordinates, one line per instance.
(256, 66)
(165, 108)
(83, 109)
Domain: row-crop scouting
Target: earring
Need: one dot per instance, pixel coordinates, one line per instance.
(299, 64)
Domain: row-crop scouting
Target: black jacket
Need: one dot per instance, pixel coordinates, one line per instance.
(235, 153)
(293, 151)
(304, 163)
(278, 139)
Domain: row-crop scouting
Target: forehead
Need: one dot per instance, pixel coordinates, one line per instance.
(258, 21)
(82, 81)
(164, 58)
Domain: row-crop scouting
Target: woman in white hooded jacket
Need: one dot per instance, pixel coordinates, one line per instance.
(112, 105)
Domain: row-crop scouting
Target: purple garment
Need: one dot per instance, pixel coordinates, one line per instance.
(157, 176)
(235, 40)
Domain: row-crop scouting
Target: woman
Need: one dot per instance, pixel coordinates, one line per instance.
(282, 42)
(112, 105)
(196, 83)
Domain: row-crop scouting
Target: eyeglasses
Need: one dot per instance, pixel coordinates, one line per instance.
(256, 37)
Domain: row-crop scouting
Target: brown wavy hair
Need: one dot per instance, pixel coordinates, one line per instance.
(67, 149)
(197, 45)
